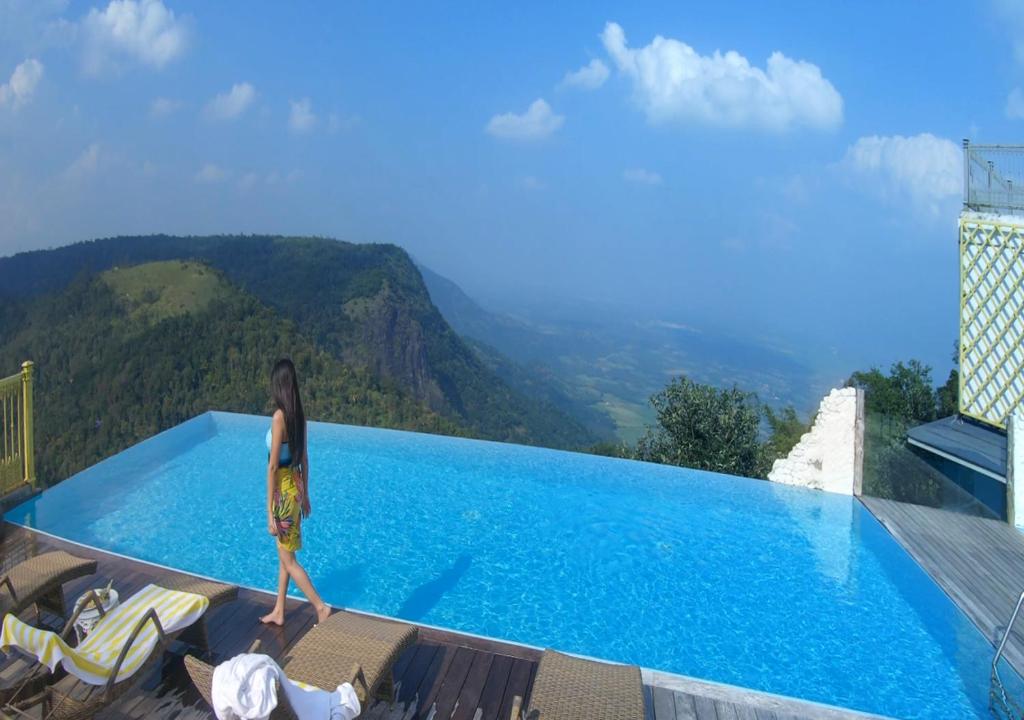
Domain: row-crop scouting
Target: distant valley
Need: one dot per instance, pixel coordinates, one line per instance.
(604, 369)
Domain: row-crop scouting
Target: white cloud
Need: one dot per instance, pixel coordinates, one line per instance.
(337, 122)
(211, 173)
(925, 169)
(251, 180)
(672, 82)
(589, 77)
(85, 164)
(145, 31)
(1015, 104)
(248, 181)
(229, 105)
(642, 177)
(19, 89)
(795, 189)
(162, 106)
(536, 123)
(1012, 12)
(301, 117)
(531, 182)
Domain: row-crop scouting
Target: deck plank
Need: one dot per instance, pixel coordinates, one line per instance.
(664, 704)
(726, 710)
(416, 671)
(686, 708)
(493, 692)
(648, 703)
(434, 678)
(745, 712)
(469, 698)
(518, 679)
(449, 694)
(705, 708)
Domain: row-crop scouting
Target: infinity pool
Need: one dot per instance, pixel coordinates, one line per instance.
(740, 581)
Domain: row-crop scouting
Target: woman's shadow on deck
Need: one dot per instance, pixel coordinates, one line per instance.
(423, 599)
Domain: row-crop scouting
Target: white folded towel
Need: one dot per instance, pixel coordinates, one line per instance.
(245, 688)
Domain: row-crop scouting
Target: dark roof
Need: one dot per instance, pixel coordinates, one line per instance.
(964, 440)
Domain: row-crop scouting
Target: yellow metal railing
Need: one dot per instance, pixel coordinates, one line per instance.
(17, 453)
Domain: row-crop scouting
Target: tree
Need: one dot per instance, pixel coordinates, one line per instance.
(785, 428)
(906, 393)
(702, 427)
(948, 396)
(895, 403)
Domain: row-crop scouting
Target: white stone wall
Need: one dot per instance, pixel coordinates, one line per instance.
(826, 457)
(1015, 469)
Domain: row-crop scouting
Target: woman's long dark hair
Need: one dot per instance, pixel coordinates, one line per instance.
(284, 386)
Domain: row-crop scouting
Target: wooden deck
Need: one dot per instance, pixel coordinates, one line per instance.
(978, 561)
(445, 676)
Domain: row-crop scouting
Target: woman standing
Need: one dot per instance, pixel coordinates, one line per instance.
(288, 488)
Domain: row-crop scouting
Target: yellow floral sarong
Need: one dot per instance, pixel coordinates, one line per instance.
(288, 511)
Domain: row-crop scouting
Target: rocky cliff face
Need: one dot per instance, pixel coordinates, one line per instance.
(392, 344)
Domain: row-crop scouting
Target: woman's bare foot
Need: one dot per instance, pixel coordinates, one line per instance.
(322, 613)
(275, 617)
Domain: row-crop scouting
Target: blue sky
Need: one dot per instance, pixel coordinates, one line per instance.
(783, 171)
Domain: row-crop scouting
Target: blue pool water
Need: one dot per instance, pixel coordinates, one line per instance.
(776, 588)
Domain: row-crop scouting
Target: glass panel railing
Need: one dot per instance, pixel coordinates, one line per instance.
(896, 470)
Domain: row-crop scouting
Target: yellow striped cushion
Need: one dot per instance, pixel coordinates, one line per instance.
(93, 660)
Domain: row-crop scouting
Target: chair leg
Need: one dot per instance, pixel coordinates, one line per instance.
(386, 689)
(53, 602)
(196, 636)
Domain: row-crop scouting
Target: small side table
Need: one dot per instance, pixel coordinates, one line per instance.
(90, 616)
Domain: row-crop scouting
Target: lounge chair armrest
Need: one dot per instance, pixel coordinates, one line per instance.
(91, 598)
(6, 580)
(255, 647)
(150, 615)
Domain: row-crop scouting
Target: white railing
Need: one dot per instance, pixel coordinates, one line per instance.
(994, 178)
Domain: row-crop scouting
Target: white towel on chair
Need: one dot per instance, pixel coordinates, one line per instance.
(245, 688)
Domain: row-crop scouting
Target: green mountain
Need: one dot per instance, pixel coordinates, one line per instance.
(132, 335)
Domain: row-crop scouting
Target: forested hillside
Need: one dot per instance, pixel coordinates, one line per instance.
(124, 351)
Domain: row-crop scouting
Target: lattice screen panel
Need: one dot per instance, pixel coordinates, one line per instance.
(991, 317)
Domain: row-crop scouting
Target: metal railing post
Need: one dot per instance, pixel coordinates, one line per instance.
(997, 694)
(967, 172)
(1006, 632)
(27, 448)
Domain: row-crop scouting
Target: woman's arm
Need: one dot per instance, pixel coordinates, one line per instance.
(276, 433)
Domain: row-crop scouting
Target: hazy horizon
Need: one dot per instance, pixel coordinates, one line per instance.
(794, 183)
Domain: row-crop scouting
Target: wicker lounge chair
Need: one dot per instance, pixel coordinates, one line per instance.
(344, 648)
(40, 581)
(570, 688)
(68, 698)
